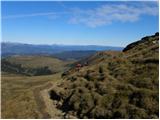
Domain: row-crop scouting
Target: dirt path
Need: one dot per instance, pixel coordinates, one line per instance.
(50, 104)
(45, 105)
(39, 100)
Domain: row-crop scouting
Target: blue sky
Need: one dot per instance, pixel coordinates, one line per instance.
(78, 23)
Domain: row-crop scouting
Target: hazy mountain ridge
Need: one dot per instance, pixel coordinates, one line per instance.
(29, 49)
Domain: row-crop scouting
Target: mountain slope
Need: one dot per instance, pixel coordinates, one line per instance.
(114, 84)
(33, 65)
(74, 55)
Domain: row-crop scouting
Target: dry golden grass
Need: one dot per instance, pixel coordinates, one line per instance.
(54, 64)
(112, 85)
(115, 84)
(18, 99)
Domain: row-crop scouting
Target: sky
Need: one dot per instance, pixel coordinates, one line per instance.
(78, 23)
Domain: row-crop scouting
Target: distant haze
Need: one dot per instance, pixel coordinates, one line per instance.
(30, 49)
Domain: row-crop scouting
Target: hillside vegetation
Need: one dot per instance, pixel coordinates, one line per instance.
(74, 55)
(114, 84)
(33, 65)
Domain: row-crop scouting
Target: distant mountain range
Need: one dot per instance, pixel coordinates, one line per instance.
(8, 48)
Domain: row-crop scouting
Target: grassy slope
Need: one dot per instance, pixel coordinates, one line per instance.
(115, 84)
(18, 99)
(20, 94)
(54, 64)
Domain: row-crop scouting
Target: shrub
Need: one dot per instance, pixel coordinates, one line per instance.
(89, 76)
(119, 114)
(142, 83)
(144, 99)
(65, 74)
(136, 113)
(116, 103)
(100, 113)
(97, 98)
(90, 85)
(101, 77)
(101, 69)
(101, 88)
(106, 101)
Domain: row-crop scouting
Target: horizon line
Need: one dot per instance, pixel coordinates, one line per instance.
(61, 44)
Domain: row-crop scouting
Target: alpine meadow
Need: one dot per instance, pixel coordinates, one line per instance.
(80, 60)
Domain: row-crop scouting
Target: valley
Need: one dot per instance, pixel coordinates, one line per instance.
(107, 84)
(80, 59)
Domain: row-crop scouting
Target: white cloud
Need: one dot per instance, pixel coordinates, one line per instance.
(102, 15)
(108, 13)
